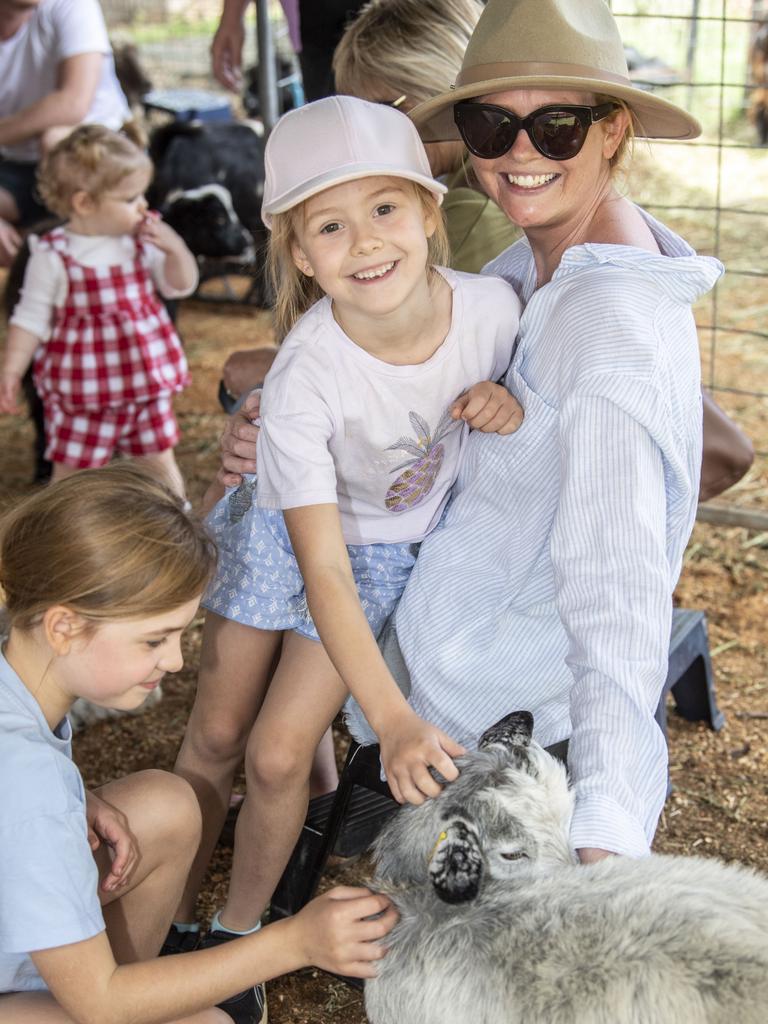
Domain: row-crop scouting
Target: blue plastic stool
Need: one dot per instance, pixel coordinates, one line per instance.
(189, 104)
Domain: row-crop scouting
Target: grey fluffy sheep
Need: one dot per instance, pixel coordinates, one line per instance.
(500, 925)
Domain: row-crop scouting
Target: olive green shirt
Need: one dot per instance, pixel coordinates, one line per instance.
(477, 229)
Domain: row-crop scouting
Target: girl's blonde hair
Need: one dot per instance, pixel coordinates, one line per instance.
(405, 47)
(296, 292)
(90, 159)
(109, 543)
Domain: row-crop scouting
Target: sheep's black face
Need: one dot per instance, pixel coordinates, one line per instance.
(509, 810)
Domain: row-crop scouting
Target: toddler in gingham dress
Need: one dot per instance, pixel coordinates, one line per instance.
(107, 358)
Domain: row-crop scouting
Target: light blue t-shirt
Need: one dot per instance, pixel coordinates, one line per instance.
(48, 877)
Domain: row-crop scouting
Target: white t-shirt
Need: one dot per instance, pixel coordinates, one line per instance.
(30, 60)
(48, 877)
(341, 426)
(45, 278)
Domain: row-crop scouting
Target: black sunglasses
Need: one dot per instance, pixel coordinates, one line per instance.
(558, 131)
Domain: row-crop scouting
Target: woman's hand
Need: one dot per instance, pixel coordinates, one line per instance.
(409, 748)
(238, 443)
(488, 407)
(108, 826)
(338, 931)
(591, 855)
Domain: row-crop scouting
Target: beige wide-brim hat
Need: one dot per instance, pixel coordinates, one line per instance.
(550, 44)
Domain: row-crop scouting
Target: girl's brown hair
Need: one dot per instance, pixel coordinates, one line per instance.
(110, 543)
(296, 292)
(90, 159)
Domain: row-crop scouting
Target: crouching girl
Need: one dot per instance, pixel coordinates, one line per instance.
(101, 574)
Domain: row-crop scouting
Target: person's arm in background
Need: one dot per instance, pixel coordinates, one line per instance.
(66, 106)
(227, 45)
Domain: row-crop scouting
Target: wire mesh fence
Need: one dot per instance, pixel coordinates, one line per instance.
(696, 53)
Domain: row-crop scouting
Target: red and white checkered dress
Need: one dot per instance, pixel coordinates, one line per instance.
(112, 340)
(112, 362)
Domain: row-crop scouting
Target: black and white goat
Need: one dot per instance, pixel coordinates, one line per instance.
(208, 184)
(500, 925)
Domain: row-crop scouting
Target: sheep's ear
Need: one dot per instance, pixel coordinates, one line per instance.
(513, 731)
(457, 864)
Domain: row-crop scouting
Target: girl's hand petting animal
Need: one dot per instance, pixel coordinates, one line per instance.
(109, 827)
(488, 407)
(409, 748)
(339, 931)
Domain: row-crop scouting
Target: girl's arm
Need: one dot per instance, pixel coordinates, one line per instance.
(409, 745)
(331, 932)
(179, 266)
(20, 347)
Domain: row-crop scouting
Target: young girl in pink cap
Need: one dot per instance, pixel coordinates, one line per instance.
(387, 364)
(106, 357)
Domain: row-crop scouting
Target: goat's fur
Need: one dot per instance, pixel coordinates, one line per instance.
(500, 925)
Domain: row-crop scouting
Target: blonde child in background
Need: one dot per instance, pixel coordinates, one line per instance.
(364, 417)
(107, 358)
(101, 574)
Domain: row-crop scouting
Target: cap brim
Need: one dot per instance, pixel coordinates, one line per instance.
(338, 176)
(655, 118)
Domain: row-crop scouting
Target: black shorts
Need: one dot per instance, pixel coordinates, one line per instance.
(20, 179)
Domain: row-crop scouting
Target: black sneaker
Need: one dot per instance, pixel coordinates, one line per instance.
(249, 1007)
(177, 941)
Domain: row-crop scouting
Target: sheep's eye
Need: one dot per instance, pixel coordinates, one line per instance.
(515, 855)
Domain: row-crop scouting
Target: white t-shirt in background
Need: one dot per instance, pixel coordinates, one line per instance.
(340, 426)
(29, 65)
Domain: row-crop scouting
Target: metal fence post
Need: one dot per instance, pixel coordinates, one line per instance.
(267, 68)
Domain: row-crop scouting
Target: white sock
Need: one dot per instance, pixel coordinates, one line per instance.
(217, 926)
(183, 926)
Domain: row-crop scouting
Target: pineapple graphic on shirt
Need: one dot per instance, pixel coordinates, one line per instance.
(413, 486)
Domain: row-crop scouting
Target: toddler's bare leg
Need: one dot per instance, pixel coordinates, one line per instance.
(60, 471)
(164, 465)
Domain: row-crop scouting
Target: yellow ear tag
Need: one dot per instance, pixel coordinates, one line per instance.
(440, 839)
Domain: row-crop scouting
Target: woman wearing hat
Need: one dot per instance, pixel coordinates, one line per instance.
(549, 586)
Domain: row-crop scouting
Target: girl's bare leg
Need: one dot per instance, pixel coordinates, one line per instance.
(325, 775)
(164, 465)
(235, 667)
(42, 1008)
(303, 699)
(165, 820)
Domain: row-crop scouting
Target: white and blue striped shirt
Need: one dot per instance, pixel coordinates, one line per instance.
(549, 585)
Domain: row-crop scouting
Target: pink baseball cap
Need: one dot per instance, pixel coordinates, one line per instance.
(338, 139)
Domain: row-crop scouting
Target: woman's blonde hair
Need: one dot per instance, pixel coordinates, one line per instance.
(109, 543)
(90, 159)
(623, 154)
(295, 292)
(404, 47)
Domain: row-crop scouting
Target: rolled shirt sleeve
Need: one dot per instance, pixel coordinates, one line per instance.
(613, 589)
